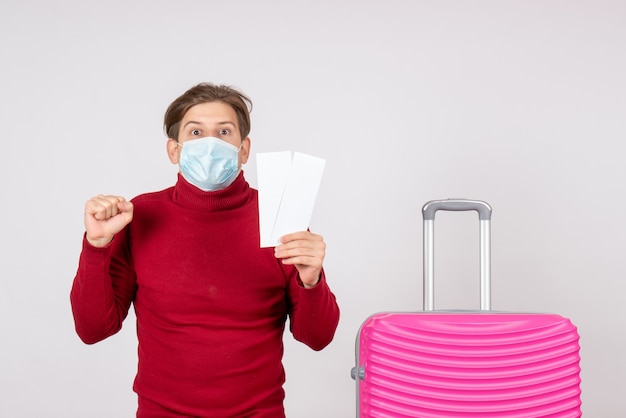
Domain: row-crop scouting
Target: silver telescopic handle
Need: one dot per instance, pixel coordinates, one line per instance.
(484, 214)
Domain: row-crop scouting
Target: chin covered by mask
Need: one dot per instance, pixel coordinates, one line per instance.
(209, 163)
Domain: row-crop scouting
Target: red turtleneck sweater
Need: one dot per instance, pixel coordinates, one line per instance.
(211, 305)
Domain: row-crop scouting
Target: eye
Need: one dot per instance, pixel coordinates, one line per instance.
(225, 132)
(196, 132)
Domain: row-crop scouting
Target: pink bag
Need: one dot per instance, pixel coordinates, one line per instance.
(453, 364)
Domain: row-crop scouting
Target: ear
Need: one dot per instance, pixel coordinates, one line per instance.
(244, 152)
(173, 151)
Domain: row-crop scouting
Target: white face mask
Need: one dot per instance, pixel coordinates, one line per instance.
(209, 163)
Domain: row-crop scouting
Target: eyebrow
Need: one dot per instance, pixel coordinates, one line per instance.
(193, 122)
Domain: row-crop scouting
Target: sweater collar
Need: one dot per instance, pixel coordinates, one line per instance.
(189, 196)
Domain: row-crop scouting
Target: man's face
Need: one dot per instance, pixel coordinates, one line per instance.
(215, 119)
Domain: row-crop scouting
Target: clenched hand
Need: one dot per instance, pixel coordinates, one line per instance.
(105, 216)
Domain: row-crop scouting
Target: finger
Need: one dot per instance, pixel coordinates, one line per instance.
(300, 235)
(125, 207)
(126, 210)
(95, 208)
(301, 249)
(111, 204)
(296, 248)
(310, 241)
(301, 239)
(303, 260)
(298, 245)
(103, 207)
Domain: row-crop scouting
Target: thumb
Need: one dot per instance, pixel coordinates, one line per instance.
(126, 210)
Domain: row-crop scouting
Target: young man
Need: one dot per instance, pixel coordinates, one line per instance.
(211, 305)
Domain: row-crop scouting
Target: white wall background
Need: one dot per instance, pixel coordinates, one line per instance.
(519, 103)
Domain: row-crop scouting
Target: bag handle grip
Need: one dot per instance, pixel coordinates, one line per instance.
(484, 214)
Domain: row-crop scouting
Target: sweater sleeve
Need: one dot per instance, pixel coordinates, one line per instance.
(102, 290)
(314, 313)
